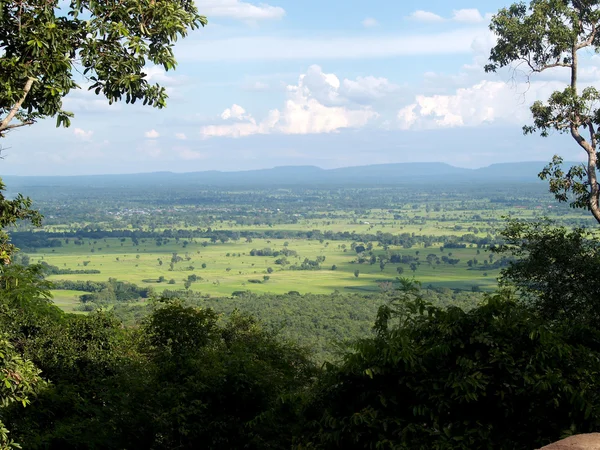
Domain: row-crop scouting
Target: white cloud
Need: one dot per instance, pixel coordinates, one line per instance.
(180, 136)
(235, 112)
(152, 134)
(240, 10)
(426, 16)
(313, 106)
(481, 103)
(268, 48)
(469, 15)
(83, 100)
(369, 22)
(82, 134)
(157, 74)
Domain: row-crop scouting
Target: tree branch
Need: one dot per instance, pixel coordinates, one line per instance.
(589, 40)
(18, 125)
(550, 66)
(15, 109)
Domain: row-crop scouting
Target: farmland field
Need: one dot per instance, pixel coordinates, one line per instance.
(313, 263)
(285, 245)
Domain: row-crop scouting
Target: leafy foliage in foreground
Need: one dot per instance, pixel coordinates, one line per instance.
(494, 377)
(186, 378)
(501, 375)
(556, 270)
(43, 44)
(323, 323)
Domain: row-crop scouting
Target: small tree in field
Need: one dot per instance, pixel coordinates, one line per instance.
(549, 34)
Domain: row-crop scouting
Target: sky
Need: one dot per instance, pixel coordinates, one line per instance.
(329, 83)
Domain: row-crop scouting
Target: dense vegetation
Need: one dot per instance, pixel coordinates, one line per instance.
(152, 365)
(506, 374)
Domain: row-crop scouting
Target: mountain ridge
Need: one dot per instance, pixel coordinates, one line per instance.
(383, 174)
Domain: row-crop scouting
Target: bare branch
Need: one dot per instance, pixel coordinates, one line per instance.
(15, 109)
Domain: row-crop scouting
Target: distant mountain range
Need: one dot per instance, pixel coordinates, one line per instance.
(380, 174)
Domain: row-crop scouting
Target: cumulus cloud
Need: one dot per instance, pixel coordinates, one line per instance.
(180, 136)
(369, 22)
(82, 134)
(235, 112)
(240, 10)
(484, 102)
(317, 104)
(152, 134)
(469, 15)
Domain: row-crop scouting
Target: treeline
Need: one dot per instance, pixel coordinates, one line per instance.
(49, 269)
(30, 239)
(102, 293)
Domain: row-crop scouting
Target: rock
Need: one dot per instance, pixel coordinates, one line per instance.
(579, 442)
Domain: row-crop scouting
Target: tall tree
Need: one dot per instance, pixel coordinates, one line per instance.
(44, 43)
(551, 34)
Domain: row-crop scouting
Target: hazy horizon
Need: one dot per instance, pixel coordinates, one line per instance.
(291, 166)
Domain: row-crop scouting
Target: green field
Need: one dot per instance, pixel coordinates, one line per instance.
(441, 239)
(226, 272)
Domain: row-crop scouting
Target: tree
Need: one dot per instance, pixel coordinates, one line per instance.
(44, 46)
(356, 273)
(497, 377)
(545, 35)
(19, 381)
(555, 270)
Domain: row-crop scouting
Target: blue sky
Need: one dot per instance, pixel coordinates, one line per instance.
(330, 83)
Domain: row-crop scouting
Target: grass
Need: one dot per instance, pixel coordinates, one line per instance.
(67, 300)
(225, 274)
